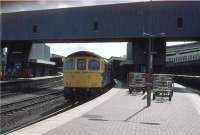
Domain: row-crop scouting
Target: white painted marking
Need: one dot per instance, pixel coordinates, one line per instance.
(195, 99)
(56, 121)
(179, 86)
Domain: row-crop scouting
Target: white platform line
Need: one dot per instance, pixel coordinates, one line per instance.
(193, 97)
(195, 100)
(56, 121)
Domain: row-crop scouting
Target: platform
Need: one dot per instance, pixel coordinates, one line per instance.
(31, 79)
(118, 113)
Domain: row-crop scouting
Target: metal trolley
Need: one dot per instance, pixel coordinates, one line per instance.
(136, 82)
(163, 86)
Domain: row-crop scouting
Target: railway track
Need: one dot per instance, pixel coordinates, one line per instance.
(60, 109)
(17, 113)
(50, 85)
(41, 87)
(12, 110)
(29, 84)
(6, 94)
(19, 105)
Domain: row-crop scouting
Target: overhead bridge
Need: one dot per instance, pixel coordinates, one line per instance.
(174, 19)
(131, 22)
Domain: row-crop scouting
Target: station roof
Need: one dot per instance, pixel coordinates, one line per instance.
(194, 47)
(116, 59)
(84, 53)
(127, 62)
(56, 56)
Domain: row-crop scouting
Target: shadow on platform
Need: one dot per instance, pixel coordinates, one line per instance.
(100, 118)
(136, 113)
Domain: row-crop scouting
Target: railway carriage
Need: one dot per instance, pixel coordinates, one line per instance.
(85, 73)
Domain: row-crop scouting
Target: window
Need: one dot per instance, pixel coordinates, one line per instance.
(93, 65)
(69, 64)
(167, 59)
(81, 64)
(35, 29)
(196, 56)
(179, 22)
(185, 58)
(190, 57)
(95, 26)
(179, 59)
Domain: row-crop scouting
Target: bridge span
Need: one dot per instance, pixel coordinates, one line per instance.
(136, 23)
(175, 19)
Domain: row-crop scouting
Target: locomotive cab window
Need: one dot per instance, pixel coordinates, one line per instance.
(69, 64)
(81, 64)
(93, 65)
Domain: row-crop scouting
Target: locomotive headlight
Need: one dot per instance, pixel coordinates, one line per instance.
(68, 84)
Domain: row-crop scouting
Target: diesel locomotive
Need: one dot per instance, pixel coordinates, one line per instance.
(85, 73)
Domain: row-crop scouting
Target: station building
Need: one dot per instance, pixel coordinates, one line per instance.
(27, 60)
(58, 59)
(183, 59)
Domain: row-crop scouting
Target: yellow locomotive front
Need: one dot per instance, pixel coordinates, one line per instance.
(83, 72)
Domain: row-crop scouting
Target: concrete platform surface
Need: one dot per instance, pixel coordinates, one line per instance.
(118, 113)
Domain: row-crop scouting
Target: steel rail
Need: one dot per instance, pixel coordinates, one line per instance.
(15, 106)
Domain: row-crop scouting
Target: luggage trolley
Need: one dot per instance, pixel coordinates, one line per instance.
(163, 86)
(136, 82)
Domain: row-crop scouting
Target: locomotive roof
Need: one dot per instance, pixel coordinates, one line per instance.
(84, 53)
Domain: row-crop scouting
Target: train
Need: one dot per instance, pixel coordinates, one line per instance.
(85, 73)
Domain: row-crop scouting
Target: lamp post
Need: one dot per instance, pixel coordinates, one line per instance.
(149, 70)
(150, 54)
(150, 64)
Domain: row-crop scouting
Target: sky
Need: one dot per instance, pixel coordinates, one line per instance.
(23, 5)
(104, 49)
